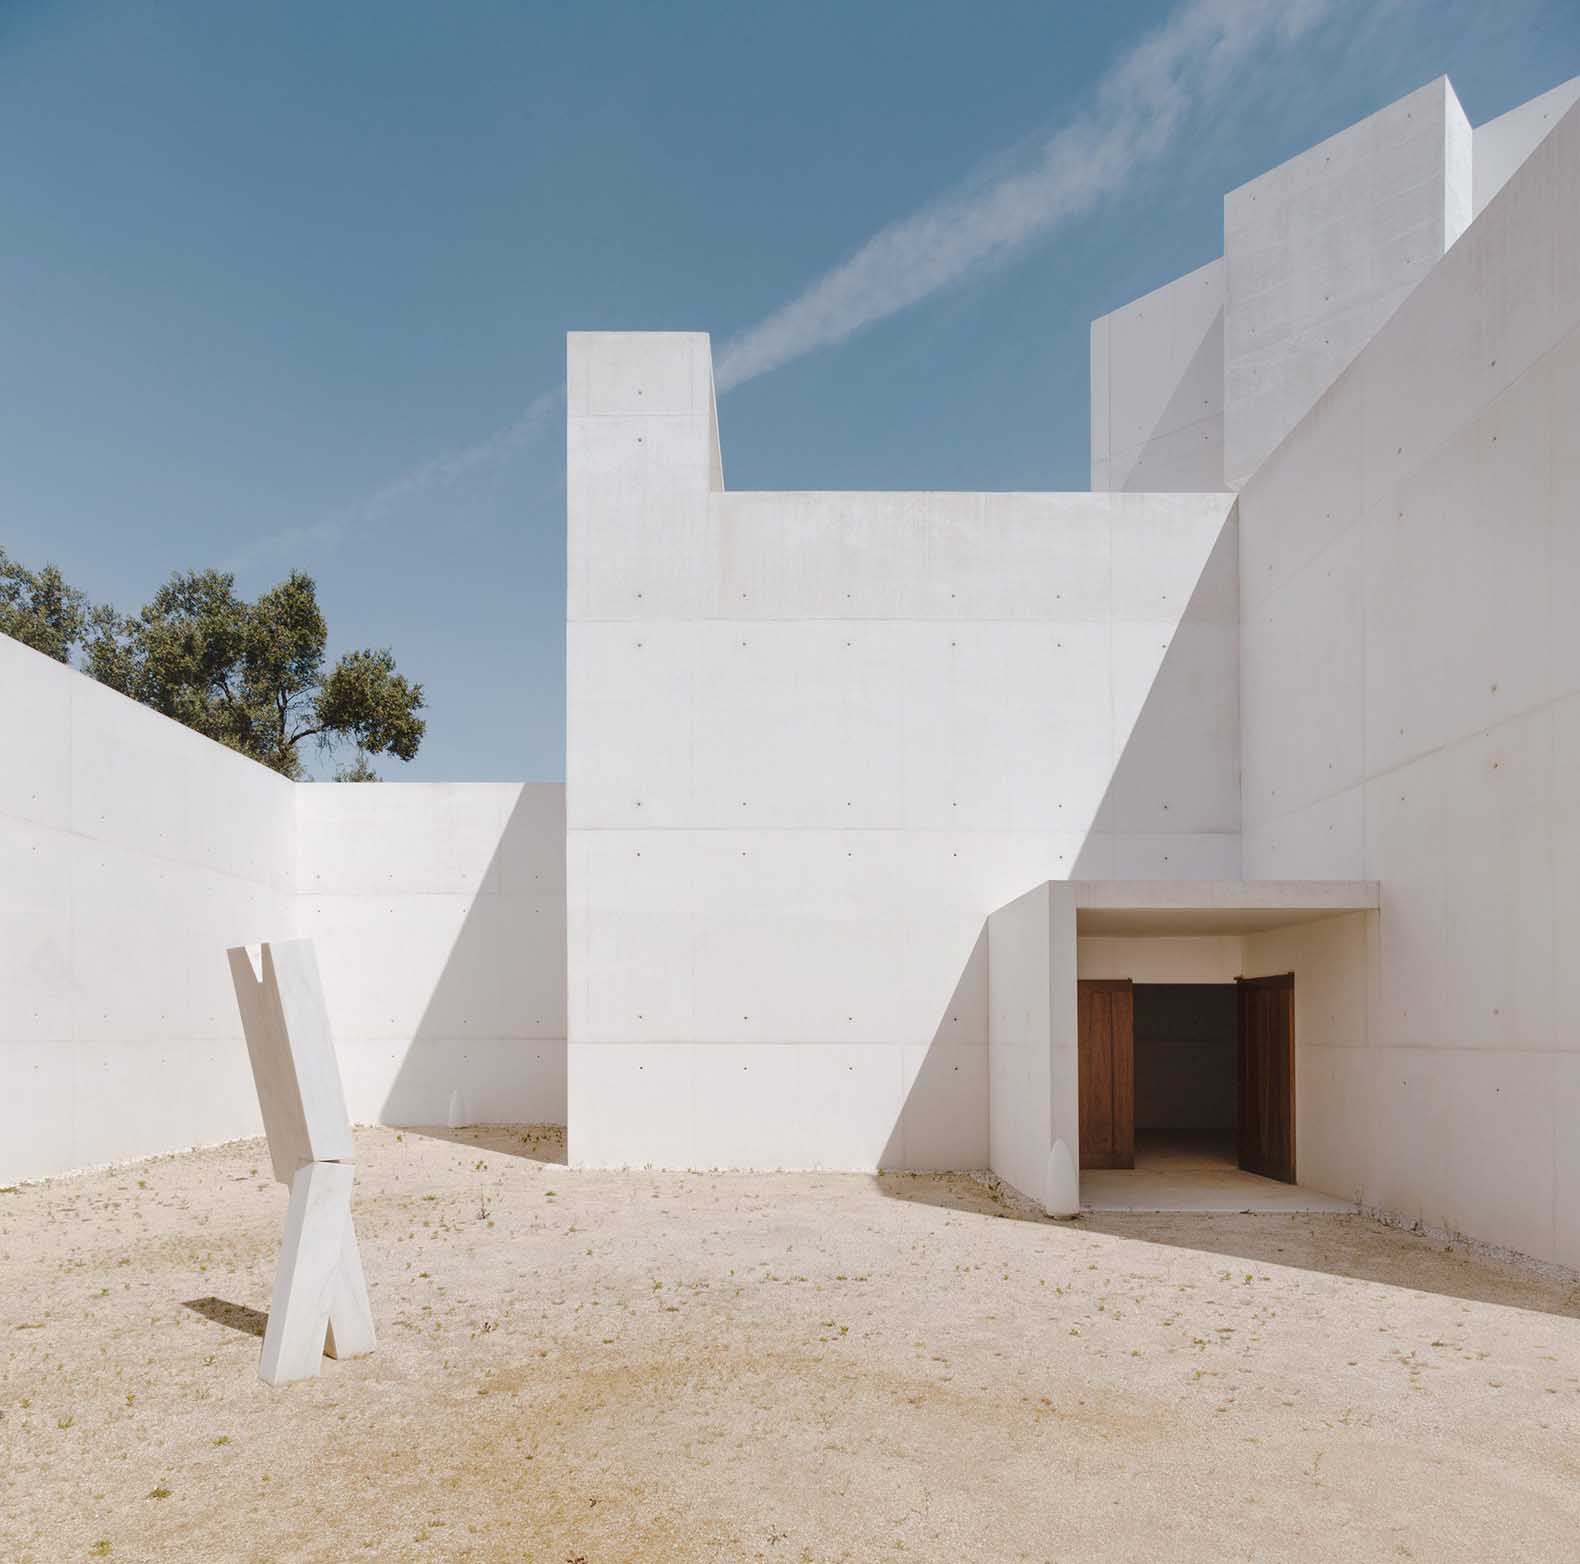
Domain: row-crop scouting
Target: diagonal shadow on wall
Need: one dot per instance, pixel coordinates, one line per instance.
(1171, 809)
(1177, 772)
(1188, 432)
(489, 1046)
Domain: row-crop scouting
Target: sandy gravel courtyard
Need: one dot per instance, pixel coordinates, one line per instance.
(584, 1368)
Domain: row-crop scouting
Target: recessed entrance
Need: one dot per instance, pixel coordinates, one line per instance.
(1186, 1102)
(1186, 1078)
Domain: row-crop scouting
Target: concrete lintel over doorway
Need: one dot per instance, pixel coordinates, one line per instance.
(1034, 1128)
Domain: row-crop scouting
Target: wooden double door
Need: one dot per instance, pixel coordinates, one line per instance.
(1266, 1069)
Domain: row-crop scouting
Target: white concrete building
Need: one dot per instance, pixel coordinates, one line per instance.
(861, 787)
(1234, 798)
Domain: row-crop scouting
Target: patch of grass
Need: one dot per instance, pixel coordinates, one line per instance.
(100, 1549)
(161, 1492)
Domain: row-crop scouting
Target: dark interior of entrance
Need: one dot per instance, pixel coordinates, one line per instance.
(1186, 1074)
(1175, 1075)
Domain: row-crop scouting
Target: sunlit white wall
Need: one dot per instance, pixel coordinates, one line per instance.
(1410, 561)
(133, 852)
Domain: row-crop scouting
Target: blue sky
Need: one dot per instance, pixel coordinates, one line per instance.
(287, 285)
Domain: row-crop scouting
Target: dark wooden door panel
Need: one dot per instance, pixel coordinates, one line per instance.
(1106, 1071)
(1267, 1076)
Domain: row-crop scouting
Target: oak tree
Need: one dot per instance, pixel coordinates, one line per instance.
(252, 676)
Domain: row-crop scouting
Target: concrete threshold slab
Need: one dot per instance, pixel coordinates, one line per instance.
(1199, 1189)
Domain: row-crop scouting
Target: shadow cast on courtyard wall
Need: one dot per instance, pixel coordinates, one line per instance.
(1186, 408)
(957, 1049)
(1170, 717)
(475, 1056)
(467, 1059)
(1178, 712)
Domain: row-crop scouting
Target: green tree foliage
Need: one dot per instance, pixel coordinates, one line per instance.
(40, 610)
(249, 675)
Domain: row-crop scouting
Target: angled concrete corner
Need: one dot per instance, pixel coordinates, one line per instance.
(642, 455)
(1157, 389)
(1319, 253)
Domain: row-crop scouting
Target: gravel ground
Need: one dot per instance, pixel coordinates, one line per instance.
(584, 1368)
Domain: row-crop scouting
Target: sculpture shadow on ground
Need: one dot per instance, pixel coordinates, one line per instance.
(237, 1316)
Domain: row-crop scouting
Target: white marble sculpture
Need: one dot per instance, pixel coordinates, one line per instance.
(320, 1303)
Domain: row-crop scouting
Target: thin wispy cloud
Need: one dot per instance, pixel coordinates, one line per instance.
(1138, 111)
(438, 473)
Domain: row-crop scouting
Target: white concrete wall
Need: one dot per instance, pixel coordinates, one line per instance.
(1157, 389)
(1020, 1031)
(439, 915)
(1502, 144)
(132, 853)
(1336, 1112)
(1320, 251)
(1411, 713)
(814, 739)
(1176, 958)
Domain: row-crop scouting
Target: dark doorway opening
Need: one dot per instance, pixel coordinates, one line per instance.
(1176, 1077)
(1187, 1100)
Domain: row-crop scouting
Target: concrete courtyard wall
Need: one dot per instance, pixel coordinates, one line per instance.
(814, 739)
(133, 852)
(439, 914)
(1410, 558)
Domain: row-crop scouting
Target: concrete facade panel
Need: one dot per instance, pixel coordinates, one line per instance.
(1020, 979)
(1501, 145)
(1318, 254)
(1324, 838)
(1157, 389)
(944, 1122)
(1314, 621)
(834, 733)
(1455, 415)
